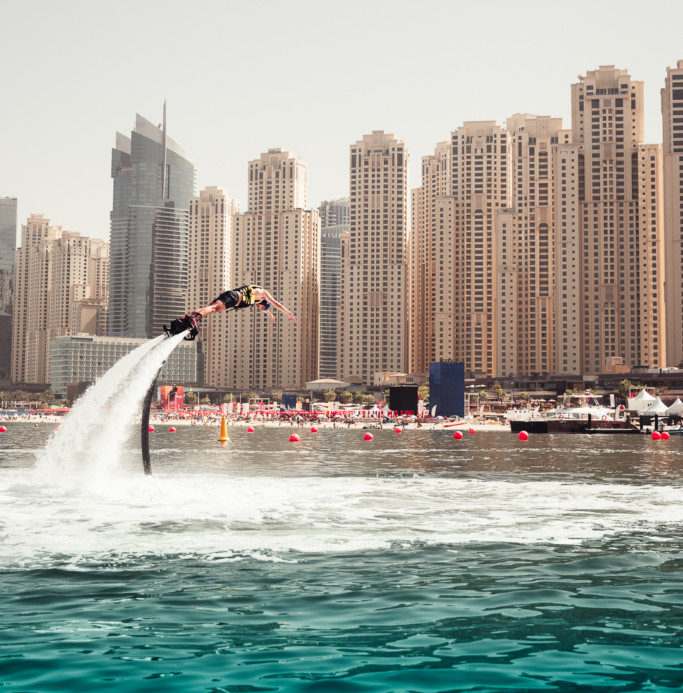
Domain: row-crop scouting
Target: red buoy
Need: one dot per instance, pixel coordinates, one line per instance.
(150, 429)
(523, 435)
(57, 427)
(171, 430)
(398, 430)
(367, 436)
(665, 435)
(294, 438)
(3, 429)
(250, 429)
(457, 435)
(656, 435)
(472, 430)
(314, 429)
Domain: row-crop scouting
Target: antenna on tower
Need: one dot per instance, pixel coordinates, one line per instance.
(164, 174)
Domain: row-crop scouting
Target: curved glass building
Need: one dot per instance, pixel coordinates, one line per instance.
(154, 180)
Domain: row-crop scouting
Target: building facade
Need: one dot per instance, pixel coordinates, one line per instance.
(334, 223)
(524, 298)
(31, 291)
(425, 339)
(275, 244)
(618, 236)
(373, 320)
(61, 282)
(212, 217)
(8, 245)
(154, 180)
(672, 122)
(83, 359)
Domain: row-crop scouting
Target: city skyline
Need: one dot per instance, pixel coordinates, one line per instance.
(42, 171)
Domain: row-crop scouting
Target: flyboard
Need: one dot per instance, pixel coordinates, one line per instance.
(185, 324)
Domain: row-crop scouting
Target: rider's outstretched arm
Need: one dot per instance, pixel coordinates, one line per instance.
(278, 305)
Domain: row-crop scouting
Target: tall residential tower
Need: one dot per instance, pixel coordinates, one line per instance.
(212, 217)
(374, 258)
(618, 236)
(275, 244)
(672, 121)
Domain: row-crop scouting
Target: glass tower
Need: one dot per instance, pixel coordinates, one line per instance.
(8, 246)
(154, 180)
(334, 221)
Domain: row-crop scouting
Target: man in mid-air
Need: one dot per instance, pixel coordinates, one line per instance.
(234, 299)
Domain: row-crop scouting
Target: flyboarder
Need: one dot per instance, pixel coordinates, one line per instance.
(234, 299)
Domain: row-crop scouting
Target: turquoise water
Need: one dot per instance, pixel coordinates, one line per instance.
(411, 563)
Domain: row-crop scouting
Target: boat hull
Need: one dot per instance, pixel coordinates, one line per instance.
(576, 426)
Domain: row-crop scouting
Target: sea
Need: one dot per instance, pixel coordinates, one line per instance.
(412, 562)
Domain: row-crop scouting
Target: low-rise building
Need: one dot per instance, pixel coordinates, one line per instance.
(84, 358)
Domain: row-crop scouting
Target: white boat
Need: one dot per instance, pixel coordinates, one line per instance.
(579, 408)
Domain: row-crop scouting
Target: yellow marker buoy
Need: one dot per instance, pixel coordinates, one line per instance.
(223, 438)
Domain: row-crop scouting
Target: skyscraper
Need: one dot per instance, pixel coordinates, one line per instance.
(374, 259)
(212, 217)
(426, 243)
(8, 245)
(31, 288)
(58, 272)
(618, 234)
(524, 298)
(153, 182)
(672, 121)
(334, 222)
(275, 245)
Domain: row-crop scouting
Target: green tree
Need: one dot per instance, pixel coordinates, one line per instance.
(369, 399)
(206, 400)
(500, 393)
(47, 396)
(571, 391)
(624, 387)
(329, 395)
(345, 397)
(252, 395)
(228, 398)
(190, 398)
(423, 391)
(525, 397)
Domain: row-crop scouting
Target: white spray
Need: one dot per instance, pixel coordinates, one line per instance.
(92, 438)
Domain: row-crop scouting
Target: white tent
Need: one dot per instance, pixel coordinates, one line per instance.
(655, 407)
(676, 408)
(641, 401)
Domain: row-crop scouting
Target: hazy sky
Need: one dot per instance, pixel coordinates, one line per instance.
(309, 76)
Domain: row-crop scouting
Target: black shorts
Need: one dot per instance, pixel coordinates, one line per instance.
(228, 298)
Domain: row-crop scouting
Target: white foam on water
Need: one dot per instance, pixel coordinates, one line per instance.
(195, 514)
(92, 439)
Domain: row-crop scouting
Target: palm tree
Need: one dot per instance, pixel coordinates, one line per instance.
(329, 395)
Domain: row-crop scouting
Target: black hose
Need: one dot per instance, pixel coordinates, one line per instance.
(144, 425)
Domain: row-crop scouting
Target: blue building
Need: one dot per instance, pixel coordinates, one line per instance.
(447, 388)
(153, 182)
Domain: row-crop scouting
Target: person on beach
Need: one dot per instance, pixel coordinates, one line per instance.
(233, 299)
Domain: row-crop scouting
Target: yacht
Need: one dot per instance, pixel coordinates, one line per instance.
(581, 413)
